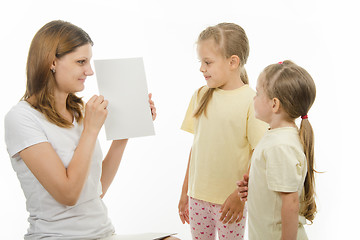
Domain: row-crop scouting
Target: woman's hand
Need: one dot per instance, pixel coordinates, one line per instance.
(243, 188)
(152, 107)
(232, 209)
(95, 113)
(111, 163)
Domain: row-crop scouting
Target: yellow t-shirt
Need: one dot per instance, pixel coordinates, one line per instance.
(278, 165)
(223, 142)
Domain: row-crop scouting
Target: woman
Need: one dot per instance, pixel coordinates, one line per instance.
(52, 140)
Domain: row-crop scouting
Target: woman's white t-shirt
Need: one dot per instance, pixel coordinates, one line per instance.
(87, 219)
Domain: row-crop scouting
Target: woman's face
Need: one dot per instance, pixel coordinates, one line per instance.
(72, 69)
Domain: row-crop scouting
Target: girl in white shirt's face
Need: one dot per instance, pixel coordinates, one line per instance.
(262, 103)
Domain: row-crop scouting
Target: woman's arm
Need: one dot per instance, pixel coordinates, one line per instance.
(111, 163)
(65, 184)
(113, 158)
(289, 215)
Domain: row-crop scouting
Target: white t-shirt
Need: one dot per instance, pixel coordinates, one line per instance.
(87, 219)
(278, 165)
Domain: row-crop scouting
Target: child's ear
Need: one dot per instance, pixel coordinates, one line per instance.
(276, 105)
(234, 61)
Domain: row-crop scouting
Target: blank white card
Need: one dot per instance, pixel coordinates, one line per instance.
(123, 83)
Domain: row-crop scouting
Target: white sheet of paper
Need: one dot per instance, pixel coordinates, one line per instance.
(146, 236)
(123, 83)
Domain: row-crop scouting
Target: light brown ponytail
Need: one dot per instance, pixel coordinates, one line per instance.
(244, 76)
(296, 90)
(203, 102)
(307, 138)
(232, 40)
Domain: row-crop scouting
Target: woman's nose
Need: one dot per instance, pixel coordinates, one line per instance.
(89, 71)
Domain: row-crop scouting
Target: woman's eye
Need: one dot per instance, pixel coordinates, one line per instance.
(81, 61)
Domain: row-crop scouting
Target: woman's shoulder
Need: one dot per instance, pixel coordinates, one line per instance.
(18, 108)
(22, 111)
(21, 107)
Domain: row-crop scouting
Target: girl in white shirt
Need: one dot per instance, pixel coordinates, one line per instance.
(281, 183)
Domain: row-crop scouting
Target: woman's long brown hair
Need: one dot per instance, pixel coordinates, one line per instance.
(53, 40)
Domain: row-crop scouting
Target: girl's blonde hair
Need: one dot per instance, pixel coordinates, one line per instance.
(232, 40)
(296, 90)
(53, 40)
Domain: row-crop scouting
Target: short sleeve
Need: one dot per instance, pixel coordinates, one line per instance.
(22, 130)
(188, 124)
(255, 127)
(284, 168)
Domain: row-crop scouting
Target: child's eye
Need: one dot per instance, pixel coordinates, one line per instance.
(81, 61)
(207, 63)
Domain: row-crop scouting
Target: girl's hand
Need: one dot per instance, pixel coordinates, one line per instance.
(232, 209)
(95, 113)
(152, 107)
(184, 208)
(243, 188)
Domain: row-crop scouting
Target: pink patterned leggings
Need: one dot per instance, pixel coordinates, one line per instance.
(204, 222)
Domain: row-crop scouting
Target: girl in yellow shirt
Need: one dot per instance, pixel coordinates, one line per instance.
(221, 117)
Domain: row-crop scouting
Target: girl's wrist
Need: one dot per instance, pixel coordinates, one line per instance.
(183, 193)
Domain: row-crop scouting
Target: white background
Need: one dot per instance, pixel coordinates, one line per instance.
(318, 35)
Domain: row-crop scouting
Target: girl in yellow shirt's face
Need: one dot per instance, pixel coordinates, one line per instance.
(219, 71)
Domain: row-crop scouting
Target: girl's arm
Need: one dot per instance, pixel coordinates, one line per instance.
(65, 184)
(184, 199)
(289, 215)
(243, 187)
(232, 209)
(243, 184)
(111, 163)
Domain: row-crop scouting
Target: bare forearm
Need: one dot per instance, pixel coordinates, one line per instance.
(186, 179)
(79, 166)
(65, 184)
(111, 163)
(289, 215)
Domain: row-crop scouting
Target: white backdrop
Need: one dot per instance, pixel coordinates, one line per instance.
(318, 35)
